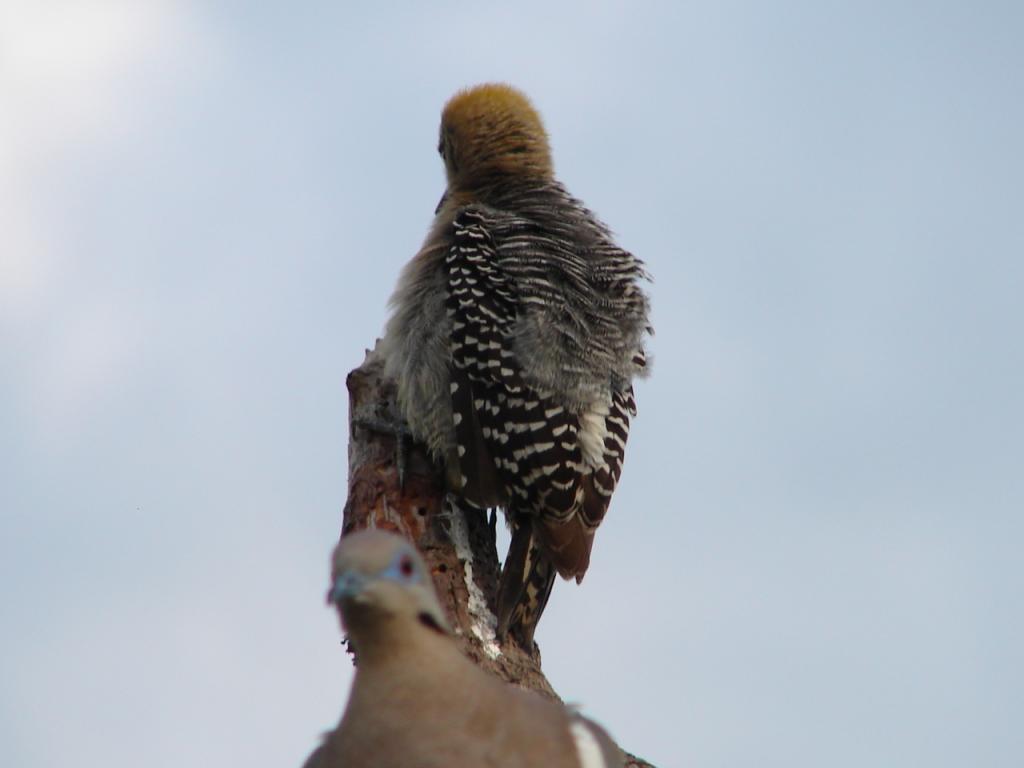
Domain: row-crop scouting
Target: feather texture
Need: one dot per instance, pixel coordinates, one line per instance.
(516, 334)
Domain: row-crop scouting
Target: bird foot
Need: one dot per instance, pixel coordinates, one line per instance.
(399, 430)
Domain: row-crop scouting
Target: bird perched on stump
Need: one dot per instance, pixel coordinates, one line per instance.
(516, 333)
(416, 700)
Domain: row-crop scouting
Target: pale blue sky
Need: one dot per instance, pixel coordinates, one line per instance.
(813, 557)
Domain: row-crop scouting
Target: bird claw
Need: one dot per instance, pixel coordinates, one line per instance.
(403, 437)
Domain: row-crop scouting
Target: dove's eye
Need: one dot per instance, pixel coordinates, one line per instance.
(406, 566)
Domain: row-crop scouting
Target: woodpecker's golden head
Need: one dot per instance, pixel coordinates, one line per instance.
(490, 131)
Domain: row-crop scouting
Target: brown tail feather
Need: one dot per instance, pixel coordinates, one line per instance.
(567, 545)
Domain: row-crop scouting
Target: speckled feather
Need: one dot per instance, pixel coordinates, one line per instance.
(516, 334)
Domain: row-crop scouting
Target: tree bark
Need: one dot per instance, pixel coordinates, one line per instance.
(458, 544)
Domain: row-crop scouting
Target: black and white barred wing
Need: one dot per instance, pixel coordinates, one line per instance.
(552, 456)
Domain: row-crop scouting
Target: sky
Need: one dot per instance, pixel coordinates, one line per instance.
(812, 557)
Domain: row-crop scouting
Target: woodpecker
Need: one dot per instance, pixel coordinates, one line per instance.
(515, 335)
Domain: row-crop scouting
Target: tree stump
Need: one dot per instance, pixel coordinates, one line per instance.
(458, 544)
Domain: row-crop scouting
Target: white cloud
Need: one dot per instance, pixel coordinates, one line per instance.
(74, 79)
(63, 62)
(69, 73)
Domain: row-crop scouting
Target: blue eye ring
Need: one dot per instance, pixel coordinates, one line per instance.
(404, 568)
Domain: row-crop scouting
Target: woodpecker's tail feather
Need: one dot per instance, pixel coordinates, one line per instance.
(567, 544)
(526, 581)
